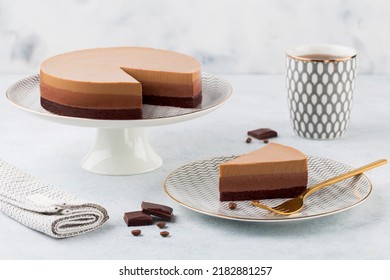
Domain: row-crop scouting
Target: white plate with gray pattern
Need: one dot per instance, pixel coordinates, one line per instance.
(195, 186)
(25, 94)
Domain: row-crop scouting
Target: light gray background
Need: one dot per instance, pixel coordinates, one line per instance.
(228, 36)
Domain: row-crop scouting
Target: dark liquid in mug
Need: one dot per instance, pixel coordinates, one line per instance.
(322, 57)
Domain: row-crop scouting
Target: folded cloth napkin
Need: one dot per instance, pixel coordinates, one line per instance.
(44, 207)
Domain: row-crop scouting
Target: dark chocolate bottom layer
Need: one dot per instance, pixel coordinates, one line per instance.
(102, 114)
(184, 102)
(262, 194)
(120, 114)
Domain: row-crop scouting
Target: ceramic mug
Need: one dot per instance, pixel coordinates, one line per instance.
(320, 84)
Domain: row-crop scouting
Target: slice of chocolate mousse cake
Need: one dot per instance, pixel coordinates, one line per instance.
(274, 171)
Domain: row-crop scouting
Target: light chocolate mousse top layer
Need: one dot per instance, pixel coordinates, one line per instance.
(272, 159)
(119, 70)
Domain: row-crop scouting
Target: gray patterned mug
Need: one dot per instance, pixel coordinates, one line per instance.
(320, 83)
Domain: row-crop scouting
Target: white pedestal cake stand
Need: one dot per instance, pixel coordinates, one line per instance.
(121, 146)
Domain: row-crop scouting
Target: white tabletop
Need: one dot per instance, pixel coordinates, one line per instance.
(52, 152)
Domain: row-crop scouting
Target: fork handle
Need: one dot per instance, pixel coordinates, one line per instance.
(342, 177)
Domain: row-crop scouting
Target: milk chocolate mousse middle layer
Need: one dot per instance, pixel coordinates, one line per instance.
(275, 171)
(112, 83)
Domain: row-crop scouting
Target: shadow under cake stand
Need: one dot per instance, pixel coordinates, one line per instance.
(121, 146)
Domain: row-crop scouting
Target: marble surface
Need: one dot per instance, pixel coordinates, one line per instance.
(52, 152)
(227, 36)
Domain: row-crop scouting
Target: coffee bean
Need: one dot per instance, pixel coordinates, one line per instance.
(136, 232)
(164, 233)
(265, 141)
(232, 205)
(161, 224)
(248, 140)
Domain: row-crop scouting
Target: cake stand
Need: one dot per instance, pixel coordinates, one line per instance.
(121, 146)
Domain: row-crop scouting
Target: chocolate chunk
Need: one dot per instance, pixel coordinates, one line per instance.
(158, 210)
(265, 141)
(248, 140)
(263, 133)
(137, 218)
(136, 232)
(161, 224)
(164, 233)
(232, 205)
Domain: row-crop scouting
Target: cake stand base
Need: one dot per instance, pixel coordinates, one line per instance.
(121, 151)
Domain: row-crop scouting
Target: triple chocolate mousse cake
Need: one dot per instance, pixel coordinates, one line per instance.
(274, 171)
(113, 83)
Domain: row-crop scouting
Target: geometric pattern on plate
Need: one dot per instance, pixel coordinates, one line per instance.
(25, 93)
(195, 186)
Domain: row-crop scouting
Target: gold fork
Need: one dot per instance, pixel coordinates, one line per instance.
(294, 205)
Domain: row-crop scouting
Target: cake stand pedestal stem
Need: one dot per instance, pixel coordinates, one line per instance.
(121, 151)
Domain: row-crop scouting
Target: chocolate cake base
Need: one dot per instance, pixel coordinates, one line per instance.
(120, 114)
(102, 114)
(183, 102)
(262, 194)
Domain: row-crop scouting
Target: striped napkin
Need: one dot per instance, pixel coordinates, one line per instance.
(44, 207)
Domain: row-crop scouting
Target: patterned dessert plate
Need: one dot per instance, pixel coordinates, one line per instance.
(25, 95)
(195, 186)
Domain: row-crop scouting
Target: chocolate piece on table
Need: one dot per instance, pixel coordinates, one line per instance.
(158, 210)
(164, 233)
(248, 140)
(263, 133)
(137, 218)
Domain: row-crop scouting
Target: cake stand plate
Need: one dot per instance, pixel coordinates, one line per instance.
(121, 146)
